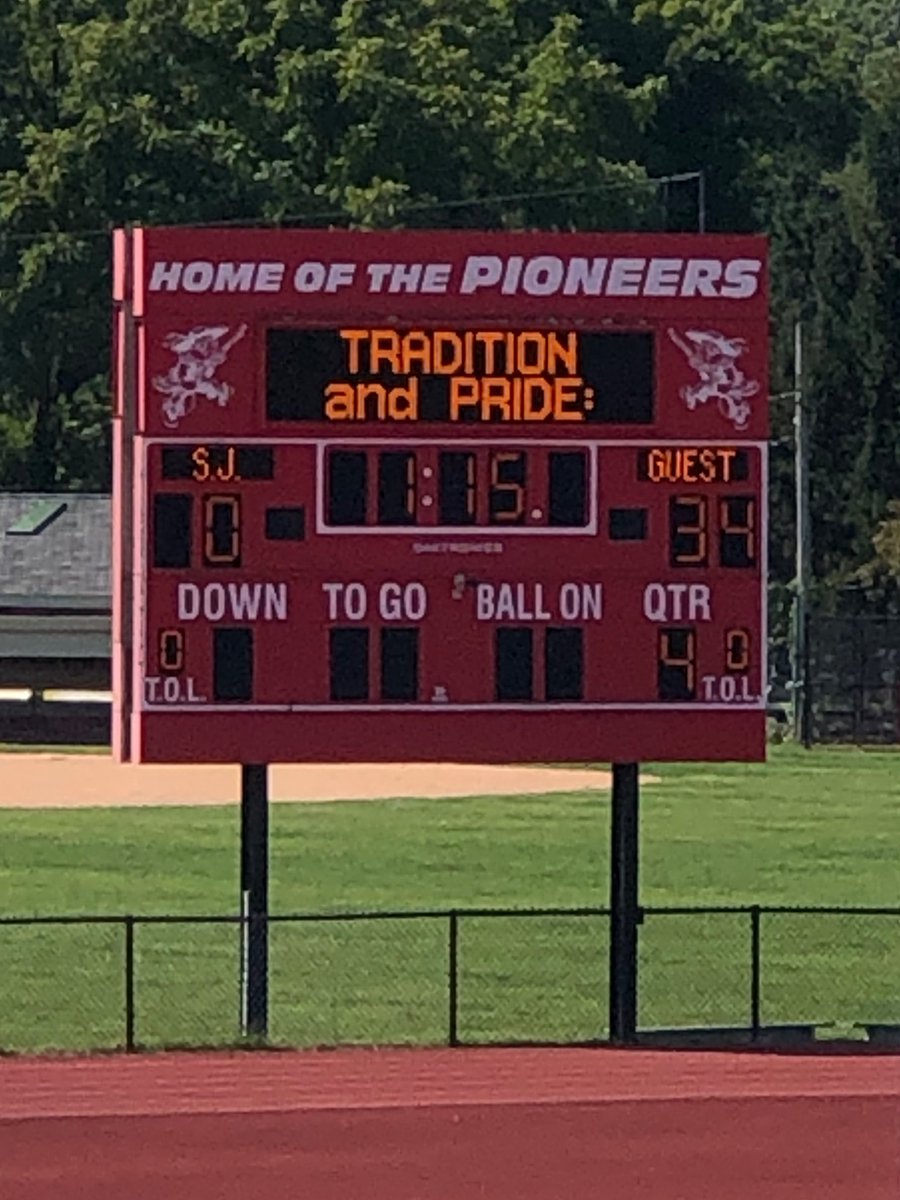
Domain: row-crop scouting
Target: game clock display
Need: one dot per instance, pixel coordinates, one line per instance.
(415, 538)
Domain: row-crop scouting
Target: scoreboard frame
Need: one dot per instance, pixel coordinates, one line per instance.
(209, 299)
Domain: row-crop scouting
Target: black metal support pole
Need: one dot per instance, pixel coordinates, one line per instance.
(255, 896)
(129, 983)
(453, 980)
(623, 903)
(754, 971)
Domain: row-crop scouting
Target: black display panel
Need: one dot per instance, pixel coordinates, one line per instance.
(397, 498)
(233, 664)
(494, 376)
(348, 475)
(568, 488)
(514, 664)
(564, 664)
(172, 529)
(399, 664)
(349, 663)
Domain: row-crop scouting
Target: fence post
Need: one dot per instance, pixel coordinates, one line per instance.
(453, 979)
(129, 983)
(755, 960)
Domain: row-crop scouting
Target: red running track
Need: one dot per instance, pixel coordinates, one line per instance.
(451, 1125)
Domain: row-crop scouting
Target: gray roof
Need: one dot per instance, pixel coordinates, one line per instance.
(67, 555)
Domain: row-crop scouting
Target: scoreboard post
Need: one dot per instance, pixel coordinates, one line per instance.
(435, 496)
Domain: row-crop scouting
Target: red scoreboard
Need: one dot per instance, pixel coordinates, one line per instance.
(494, 497)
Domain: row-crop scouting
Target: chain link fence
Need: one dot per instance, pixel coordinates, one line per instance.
(460, 977)
(854, 680)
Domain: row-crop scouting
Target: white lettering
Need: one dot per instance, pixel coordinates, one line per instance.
(480, 271)
(214, 602)
(241, 601)
(275, 604)
(677, 602)
(625, 275)
(340, 275)
(396, 603)
(543, 276)
(581, 601)
(701, 276)
(663, 276)
(188, 595)
(405, 277)
(166, 276)
(234, 277)
(585, 276)
(699, 602)
(741, 278)
(436, 278)
(269, 277)
(197, 277)
(309, 277)
(512, 275)
(355, 601)
(484, 602)
(378, 274)
(332, 591)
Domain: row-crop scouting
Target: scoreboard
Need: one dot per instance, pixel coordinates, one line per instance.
(437, 496)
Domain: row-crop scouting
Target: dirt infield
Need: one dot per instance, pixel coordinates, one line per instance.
(450, 1125)
(86, 780)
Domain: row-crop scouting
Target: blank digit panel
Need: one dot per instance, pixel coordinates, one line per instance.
(568, 489)
(397, 488)
(514, 664)
(349, 663)
(348, 479)
(172, 529)
(233, 664)
(399, 664)
(564, 664)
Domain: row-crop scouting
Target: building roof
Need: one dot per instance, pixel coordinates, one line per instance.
(55, 549)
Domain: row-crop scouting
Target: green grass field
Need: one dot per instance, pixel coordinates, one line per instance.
(809, 828)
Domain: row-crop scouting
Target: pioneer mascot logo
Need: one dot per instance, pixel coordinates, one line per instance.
(714, 357)
(199, 354)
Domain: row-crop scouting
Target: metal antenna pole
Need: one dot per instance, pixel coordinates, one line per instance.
(803, 547)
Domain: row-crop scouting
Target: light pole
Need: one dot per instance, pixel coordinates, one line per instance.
(803, 546)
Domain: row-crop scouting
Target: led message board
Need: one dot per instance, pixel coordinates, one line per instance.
(439, 496)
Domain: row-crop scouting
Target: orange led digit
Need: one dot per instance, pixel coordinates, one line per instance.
(687, 525)
(171, 651)
(737, 531)
(222, 531)
(737, 650)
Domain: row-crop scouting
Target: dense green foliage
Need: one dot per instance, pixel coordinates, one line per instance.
(431, 112)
